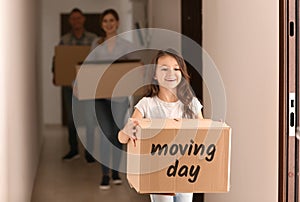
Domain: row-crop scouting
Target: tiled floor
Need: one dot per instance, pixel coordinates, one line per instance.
(74, 181)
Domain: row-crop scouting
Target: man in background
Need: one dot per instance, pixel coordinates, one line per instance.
(77, 36)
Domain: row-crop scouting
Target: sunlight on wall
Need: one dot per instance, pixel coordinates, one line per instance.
(3, 128)
(19, 136)
(244, 43)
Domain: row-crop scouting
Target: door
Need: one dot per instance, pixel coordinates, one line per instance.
(191, 26)
(289, 102)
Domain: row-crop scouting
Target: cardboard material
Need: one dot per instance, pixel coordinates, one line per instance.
(185, 155)
(66, 58)
(106, 80)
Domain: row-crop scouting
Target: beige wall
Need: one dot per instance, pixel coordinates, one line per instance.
(242, 39)
(165, 14)
(3, 104)
(20, 138)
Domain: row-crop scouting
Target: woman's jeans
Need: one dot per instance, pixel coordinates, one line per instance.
(110, 117)
(67, 94)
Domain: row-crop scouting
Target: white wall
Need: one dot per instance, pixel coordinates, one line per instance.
(242, 38)
(20, 139)
(50, 25)
(165, 14)
(3, 104)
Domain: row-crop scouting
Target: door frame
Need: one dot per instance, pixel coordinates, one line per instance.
(282, 189)
(288, 190)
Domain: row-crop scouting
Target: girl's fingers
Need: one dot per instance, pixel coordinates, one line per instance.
(130, 128)
(133, 141)
(134, 131)
(134, 121)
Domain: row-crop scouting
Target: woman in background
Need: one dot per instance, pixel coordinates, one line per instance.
(110, 112)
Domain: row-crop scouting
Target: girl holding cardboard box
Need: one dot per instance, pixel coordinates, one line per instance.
(169, 96)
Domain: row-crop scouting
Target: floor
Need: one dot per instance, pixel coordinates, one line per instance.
(74, 181)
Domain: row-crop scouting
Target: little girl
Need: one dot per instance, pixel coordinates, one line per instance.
(169, 96)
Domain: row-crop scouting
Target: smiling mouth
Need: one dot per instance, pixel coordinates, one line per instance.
(170, 79)
(110, 27)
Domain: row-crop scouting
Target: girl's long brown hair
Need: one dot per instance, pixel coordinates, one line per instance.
(184, 92)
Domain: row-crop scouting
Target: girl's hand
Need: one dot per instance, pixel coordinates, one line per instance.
(130, 129)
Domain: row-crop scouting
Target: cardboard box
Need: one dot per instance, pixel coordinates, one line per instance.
(106, 80)
(66, 58)
(178, 156)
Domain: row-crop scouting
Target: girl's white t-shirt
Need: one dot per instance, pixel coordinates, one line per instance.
(153, 107)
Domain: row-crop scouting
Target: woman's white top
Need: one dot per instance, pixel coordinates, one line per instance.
(99, 52)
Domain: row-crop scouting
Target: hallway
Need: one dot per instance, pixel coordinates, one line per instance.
(247, 59)
(76, 181)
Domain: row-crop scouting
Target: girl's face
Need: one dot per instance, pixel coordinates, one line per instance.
(110, 24)
(168, 73)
